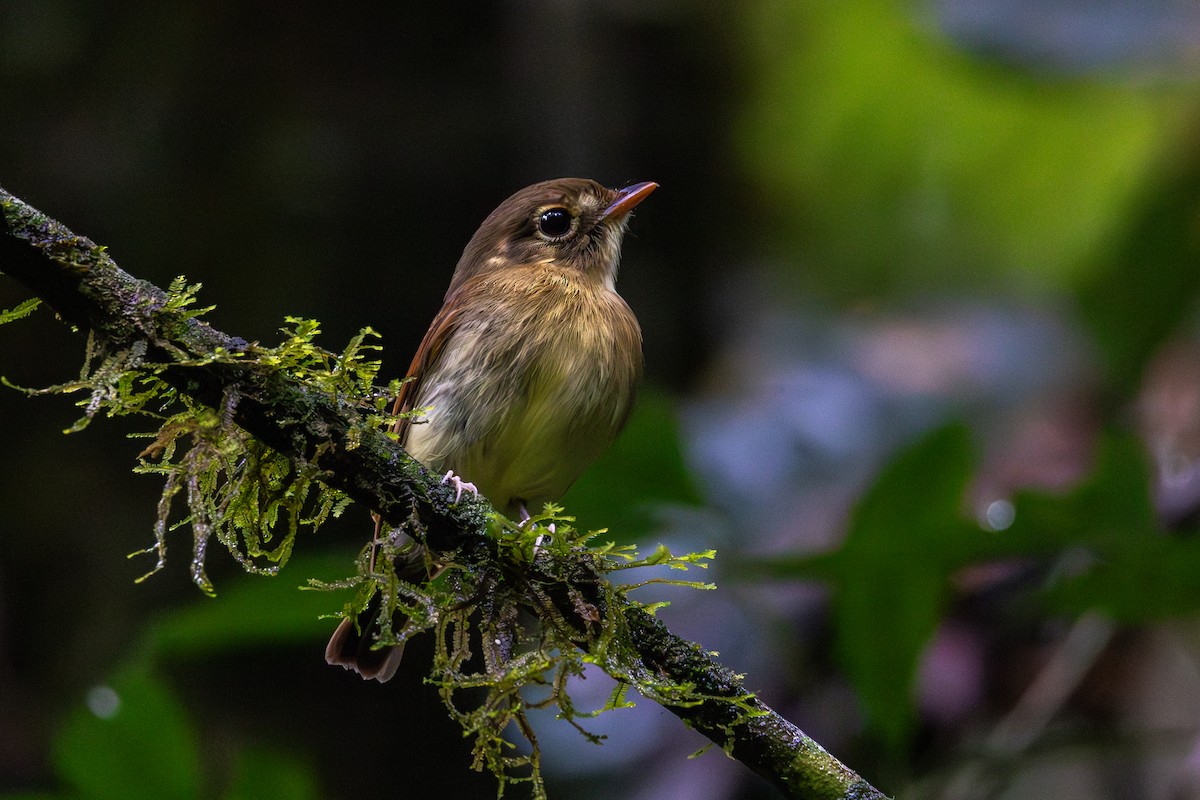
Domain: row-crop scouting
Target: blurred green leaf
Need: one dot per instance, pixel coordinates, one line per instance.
(133, 741)
(253, 610)
(1129, 568)
(1110, 509)
(644, 468)
(1141, 579)
(266, 775)
(890, 584)
(1148, 285)
(908, 536)
(894, 161)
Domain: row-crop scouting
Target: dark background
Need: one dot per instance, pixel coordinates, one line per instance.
(874, 219)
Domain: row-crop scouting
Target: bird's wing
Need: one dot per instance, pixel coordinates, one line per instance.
(430, 349)
(439, 333)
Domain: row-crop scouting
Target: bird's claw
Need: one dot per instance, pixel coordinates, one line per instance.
(537, 543)
(459, 485)
(525, 519)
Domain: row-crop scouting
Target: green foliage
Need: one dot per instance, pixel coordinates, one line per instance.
(133, 737)
(894, 161)
(262, 774)
(181, 297)
(139, 745)
(348, 377)
(236, 490)
(1110, 539)
(122, 382)
(21, 310)
(898, 163)
(643, 470)
(247, 496)
(1146, 288)
(890, 576)
(1100, 547)
(910, 522)
(250, 613)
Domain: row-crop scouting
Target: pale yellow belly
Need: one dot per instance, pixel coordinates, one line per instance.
(522, 442)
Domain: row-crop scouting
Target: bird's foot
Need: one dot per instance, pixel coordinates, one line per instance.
(537, 543)
(459, 485)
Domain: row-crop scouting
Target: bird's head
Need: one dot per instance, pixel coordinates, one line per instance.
(571, 222)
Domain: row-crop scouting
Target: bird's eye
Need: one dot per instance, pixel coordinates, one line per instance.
(555, 222)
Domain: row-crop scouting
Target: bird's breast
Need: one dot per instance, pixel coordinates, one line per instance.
(534, 384)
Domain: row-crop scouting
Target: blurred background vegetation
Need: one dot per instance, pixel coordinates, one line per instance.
(919, 299)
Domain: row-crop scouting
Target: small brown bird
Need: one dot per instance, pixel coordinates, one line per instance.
(528, 372)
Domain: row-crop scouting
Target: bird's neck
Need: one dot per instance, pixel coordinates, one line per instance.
(552, 277)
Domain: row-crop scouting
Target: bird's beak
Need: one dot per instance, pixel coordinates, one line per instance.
(627, 198)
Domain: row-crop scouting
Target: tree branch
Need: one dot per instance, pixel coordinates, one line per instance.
(81, 282)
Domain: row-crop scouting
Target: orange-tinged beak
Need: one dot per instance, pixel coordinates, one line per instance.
(627, 198)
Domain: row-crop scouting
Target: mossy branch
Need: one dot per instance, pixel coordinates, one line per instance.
(79, 280)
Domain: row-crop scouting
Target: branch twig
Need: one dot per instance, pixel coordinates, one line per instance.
(81, 282)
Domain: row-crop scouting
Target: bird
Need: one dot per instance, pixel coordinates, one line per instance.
(526, 374)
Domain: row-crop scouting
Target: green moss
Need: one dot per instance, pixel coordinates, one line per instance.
(493, 664)
(21, 311)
